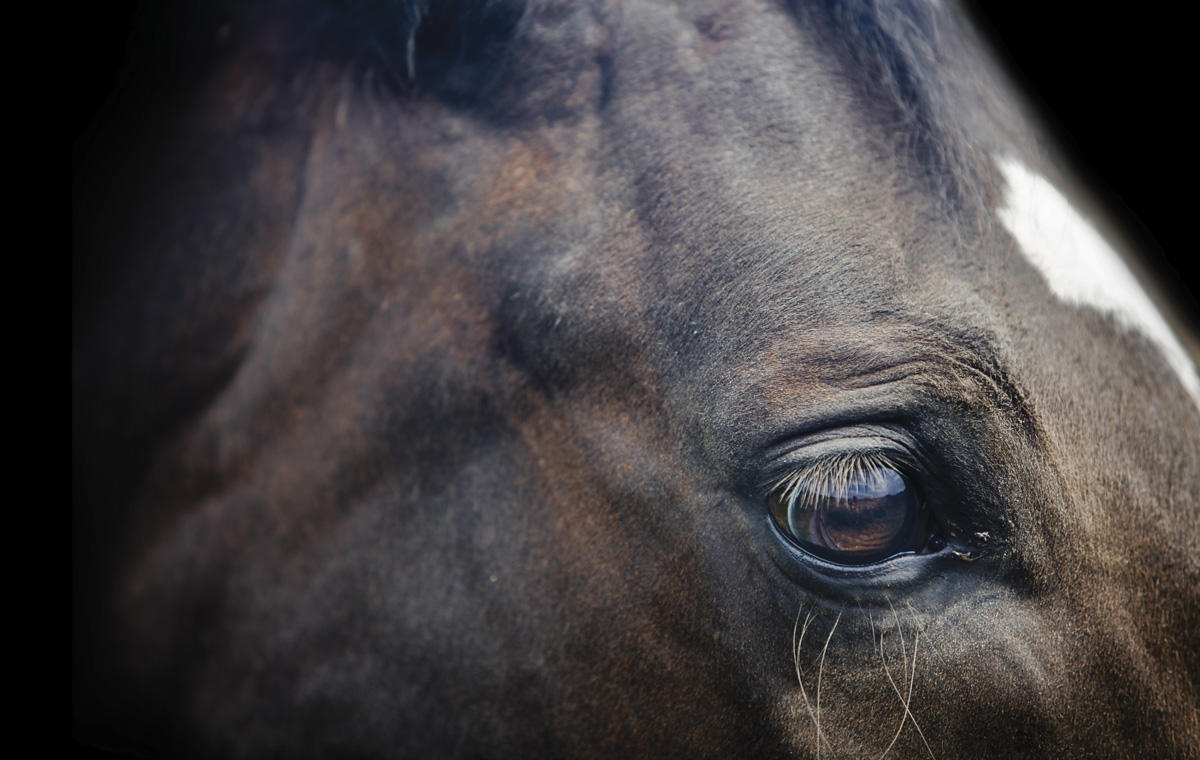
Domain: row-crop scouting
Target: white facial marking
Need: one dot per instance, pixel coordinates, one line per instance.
(1080, 267)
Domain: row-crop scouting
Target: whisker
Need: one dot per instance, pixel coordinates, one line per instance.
(899, 632)
(820, 673)
(887, 671)
(908, 707)
(911, 674)
(796, 661)
(796, 646)
(892, 681)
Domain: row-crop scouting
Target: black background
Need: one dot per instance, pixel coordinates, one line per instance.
(1113, 88)
(1116, 90)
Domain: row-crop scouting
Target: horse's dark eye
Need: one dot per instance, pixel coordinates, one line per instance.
(852, 511)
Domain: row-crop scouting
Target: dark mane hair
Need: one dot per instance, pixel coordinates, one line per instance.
(897, 54)
(905, 60)
(453, 49)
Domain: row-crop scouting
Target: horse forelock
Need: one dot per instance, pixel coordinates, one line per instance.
(905, 60)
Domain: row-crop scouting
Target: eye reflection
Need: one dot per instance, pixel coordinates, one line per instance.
(854, 509)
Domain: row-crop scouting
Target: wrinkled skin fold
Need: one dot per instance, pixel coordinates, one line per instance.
(432, 367)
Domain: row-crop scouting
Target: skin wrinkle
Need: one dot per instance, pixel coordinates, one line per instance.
(436, 415)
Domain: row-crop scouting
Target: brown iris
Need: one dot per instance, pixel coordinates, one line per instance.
(851, 510)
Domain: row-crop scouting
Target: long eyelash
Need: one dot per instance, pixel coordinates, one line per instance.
(831, 477)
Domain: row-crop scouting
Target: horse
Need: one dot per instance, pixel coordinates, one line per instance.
(616, 379)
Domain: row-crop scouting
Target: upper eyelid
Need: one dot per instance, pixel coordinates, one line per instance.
(843, 439)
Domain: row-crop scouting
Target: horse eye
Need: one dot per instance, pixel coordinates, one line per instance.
(852, 515)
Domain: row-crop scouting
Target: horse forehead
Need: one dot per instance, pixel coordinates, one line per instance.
(1079, 266)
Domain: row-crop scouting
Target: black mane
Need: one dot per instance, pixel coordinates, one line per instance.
(895, 52)
(454, 49)
(898, 57)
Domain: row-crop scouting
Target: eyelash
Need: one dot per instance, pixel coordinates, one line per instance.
(830, 476)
